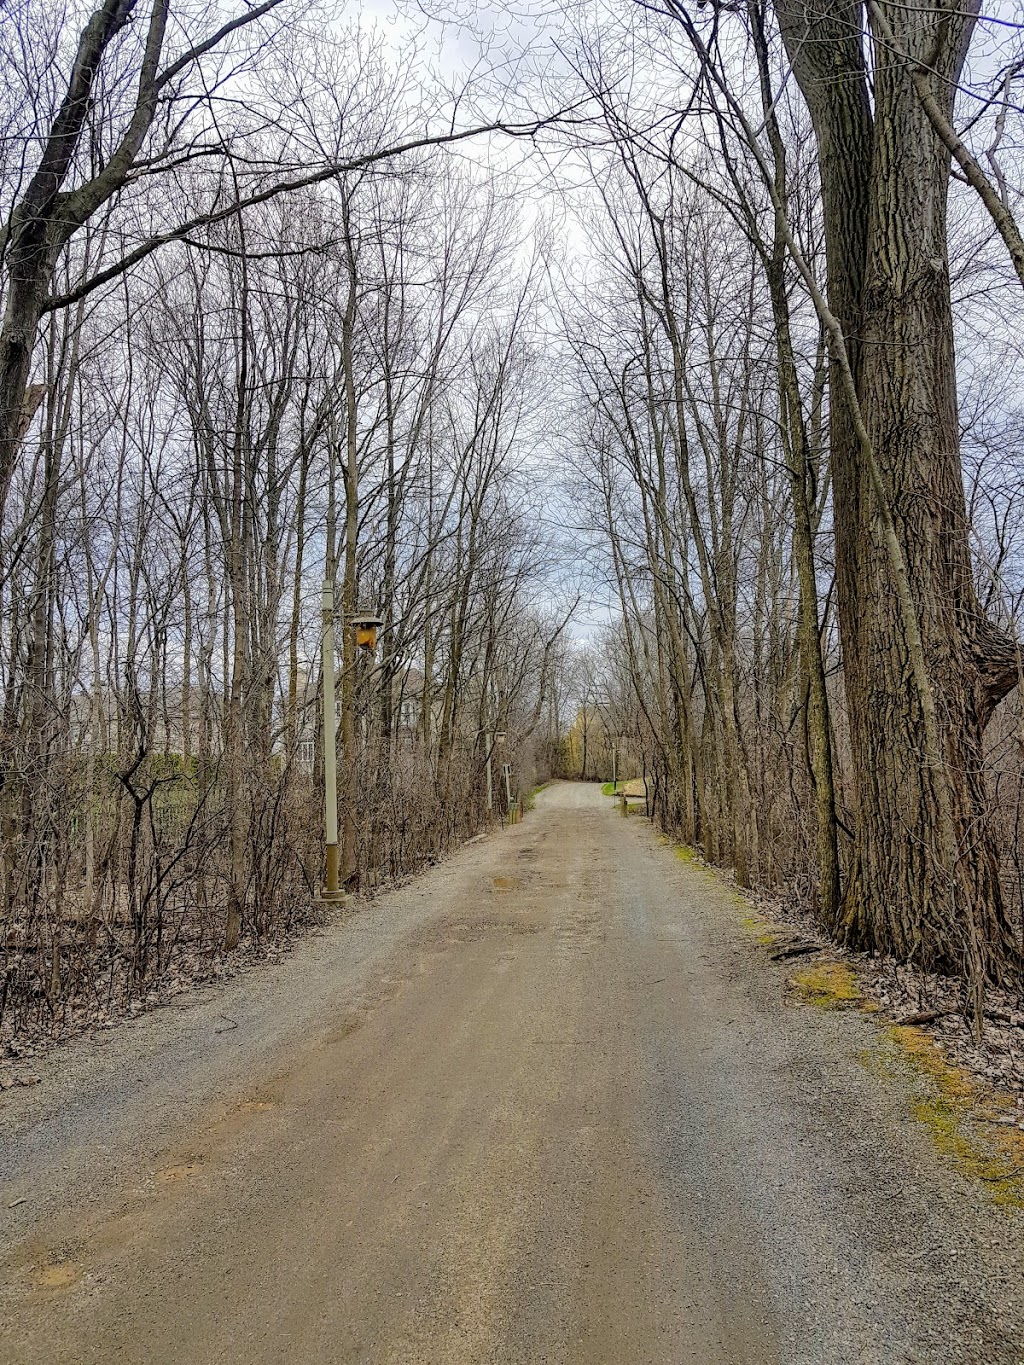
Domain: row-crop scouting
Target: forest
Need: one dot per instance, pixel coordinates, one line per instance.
(653, 363)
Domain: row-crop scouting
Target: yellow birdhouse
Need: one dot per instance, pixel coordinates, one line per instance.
(366, 626)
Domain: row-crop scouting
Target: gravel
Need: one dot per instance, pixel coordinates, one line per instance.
(551, 1102)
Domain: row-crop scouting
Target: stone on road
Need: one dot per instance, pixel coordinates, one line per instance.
(545, 1104)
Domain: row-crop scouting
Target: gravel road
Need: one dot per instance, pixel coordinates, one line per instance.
(547, 1103)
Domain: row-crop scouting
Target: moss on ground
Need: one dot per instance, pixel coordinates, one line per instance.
(766, 933)
(763, 931)
(829, 985)
(970, 1124)
(609, 789)
(962, 1114)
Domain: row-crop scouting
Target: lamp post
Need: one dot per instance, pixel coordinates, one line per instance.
(331, 889)
(366, 625)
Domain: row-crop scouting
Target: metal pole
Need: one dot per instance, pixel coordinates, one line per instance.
(490, 780)
(615, 766)
(330, 745)
(508, 788)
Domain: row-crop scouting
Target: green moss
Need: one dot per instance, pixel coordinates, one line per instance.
(760, 928)
(962, 1115)
(763, 930)
(829, 985)
(608, 789)
(879, 1061)
(959, 1113)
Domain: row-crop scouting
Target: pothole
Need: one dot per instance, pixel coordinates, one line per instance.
(59, 1276)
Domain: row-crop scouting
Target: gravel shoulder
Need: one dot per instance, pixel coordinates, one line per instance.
(548, 1103)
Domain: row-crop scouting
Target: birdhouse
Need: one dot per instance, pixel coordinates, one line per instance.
(366, 626)
(499, 738)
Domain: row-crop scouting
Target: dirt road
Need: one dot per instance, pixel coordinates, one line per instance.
(546, 1104)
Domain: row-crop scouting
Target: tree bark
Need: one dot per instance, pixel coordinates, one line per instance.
(924, 884)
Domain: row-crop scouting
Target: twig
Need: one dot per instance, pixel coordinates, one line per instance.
(794, 950)
(925, 1016)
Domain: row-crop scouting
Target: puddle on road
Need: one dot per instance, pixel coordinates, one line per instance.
(506, 883)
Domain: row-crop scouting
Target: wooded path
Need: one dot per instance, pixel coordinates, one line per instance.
(547, 1103)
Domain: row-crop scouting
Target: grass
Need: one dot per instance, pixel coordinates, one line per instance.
(531, 797)
(609, 789)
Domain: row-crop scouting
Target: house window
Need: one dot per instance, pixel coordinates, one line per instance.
(307, 752)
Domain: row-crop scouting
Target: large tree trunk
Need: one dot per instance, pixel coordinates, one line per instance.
(924, 884)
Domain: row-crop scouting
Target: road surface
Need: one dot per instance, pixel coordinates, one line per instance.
(547, 1103)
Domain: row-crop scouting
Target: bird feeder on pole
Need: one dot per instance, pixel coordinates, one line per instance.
(366, 625)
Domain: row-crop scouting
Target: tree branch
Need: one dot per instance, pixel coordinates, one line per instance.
(326, 173)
